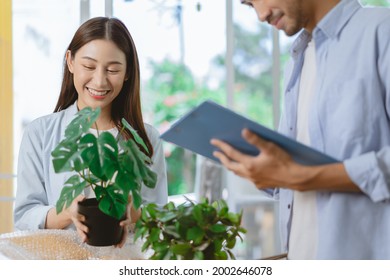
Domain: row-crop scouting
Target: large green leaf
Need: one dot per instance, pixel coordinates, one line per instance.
(100, 154)
(129, 178)
(67, 157)
(137, 199)
(128, 167)
(112, 201)
(72, 188)
(67, 154)
(126, 181)
(137, 138)
(108, 149)
(149, 177)
(81, 123)
(135, 160)
(91, 155)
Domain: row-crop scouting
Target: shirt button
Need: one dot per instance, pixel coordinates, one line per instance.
(289, 206)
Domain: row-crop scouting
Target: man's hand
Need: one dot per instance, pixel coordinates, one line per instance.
(271, 168)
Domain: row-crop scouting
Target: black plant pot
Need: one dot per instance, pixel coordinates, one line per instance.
(104, 230)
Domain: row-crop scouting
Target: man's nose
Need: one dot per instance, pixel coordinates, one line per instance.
(263, 11)
(264, 15)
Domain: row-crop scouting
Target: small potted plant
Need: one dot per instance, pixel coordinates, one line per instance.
(190, 231)
(114, 168)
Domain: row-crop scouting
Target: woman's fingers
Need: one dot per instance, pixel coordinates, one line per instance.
(82, 234)
(126, 224)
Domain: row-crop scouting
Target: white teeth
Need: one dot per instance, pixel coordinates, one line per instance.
(98, 93)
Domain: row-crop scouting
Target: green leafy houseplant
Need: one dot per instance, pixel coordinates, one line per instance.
(115, 168)
(189, 231)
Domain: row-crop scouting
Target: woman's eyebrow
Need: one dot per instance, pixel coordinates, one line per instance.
(110, 62)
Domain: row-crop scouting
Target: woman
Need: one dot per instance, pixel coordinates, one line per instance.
(101, 69)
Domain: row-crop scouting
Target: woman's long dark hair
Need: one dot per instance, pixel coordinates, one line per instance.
(128, 103)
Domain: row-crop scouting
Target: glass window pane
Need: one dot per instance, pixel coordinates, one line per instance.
(42, 29)
(178, 43)
(253, 65)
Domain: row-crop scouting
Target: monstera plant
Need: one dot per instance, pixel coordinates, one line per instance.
(113, 167)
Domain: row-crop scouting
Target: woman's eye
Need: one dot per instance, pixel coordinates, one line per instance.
(88, 67)
(112, 71)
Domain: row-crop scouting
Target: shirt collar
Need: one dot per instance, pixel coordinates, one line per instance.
(335, 20)
(330, 26)
(71, 112)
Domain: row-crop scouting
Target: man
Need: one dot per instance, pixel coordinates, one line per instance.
(337, 100)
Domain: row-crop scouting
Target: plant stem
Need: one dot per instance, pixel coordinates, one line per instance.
(97, 129)
(120, 133)
(88, 179)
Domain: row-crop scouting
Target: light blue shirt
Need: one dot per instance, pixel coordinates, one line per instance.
(349, 119)
(39, 187)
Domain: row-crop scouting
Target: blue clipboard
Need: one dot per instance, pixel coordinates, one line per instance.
(211, 120)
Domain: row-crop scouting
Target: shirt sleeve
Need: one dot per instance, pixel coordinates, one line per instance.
(371, 171)
(31, 203)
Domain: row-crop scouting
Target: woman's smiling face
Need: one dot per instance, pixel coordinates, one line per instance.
(99, 71)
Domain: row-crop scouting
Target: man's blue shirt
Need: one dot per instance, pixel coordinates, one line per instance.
(349, 120)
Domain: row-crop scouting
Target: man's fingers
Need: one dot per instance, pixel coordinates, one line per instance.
(253, 139)
(233, 166)
(228, 150)
(225, 160)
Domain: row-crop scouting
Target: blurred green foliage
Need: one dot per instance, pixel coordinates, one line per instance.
(174, 90)
(190, 231)
(385, 3)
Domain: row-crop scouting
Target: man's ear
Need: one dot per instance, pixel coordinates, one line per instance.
(69, 61)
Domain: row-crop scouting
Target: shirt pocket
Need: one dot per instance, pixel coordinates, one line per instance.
(348, 112)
